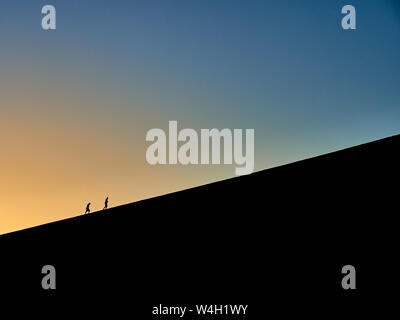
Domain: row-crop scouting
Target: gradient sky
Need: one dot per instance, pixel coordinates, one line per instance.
(76, 102)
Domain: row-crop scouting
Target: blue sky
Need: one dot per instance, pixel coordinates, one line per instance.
(114, 69)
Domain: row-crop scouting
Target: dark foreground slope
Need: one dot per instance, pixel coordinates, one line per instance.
(275, 240)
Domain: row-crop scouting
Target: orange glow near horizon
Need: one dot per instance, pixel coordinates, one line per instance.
(49, 175)
(50, 170)
(56, 158)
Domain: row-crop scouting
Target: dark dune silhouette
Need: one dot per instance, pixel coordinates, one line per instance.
(275, 239)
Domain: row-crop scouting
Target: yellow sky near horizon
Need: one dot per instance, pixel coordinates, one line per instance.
(51, 168)
(55, 157)
(48, 175)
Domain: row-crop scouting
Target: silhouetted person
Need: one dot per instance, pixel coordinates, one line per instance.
(87, 208)
(105, 204)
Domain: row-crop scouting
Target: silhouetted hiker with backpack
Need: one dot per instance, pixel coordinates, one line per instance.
(87, 208)
(105, 204)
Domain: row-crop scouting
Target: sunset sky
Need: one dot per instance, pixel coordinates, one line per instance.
(76, 102)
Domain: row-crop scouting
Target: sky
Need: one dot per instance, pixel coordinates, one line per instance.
(76, 102)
